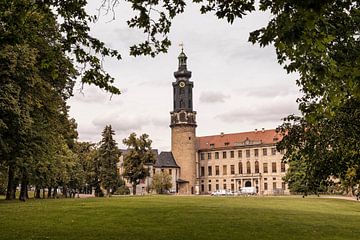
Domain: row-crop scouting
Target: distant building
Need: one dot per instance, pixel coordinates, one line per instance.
(247, 159)
(201, 165)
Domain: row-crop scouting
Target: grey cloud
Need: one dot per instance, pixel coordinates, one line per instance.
(268, 112)
(213, 97)
(121, 122)
(91, 94)
(269, 91)
(250, 53)
(158, 83)
(160, 122)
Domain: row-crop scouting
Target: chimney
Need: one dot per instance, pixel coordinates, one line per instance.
(263, 129)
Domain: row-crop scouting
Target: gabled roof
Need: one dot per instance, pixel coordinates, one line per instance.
(238, 139)
(165, 160)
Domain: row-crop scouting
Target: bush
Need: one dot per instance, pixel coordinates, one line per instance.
(123, 190)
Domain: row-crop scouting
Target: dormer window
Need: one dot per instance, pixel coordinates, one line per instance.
(212, 145)
(227, 144)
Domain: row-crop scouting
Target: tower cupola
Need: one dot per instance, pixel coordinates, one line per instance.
(182, 71)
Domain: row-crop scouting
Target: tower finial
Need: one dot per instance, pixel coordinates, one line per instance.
(182, 46)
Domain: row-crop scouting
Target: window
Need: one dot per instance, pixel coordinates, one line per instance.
(170, 171)
(224, 154)
(274, 185)
(273, 151)
(283, 167)
(256, 167)
(247, 153)
(273, 167)
(227, 144)
(154, 171)
(232, 187)
(283, 186)
(264, 151)
(232, 169)
(240, 168)
(202, 188)
(256, 152)
(209, 187)
(224, 186)
(224, 169)
(217, 171)
(202, 171)
(216, 155)
(217, 186)
(248, 167)
(265, 186)
(239, 153)
(265, 166)
(209, 156)
(232, 154)
(209, 170)
(202, 156)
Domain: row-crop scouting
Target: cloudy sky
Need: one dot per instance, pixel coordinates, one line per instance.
(237, 86)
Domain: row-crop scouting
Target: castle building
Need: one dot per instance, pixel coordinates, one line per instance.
(201, 165)
(246, 159)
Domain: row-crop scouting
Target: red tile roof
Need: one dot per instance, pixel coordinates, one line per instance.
(238, 139)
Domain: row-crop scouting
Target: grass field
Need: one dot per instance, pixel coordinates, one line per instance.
(170, 217)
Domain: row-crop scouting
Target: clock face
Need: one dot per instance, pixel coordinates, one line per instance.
(181, 84)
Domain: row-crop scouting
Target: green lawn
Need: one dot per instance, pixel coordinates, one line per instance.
(171, 217)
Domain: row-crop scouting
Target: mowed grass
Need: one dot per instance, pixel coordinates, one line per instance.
(171, 217)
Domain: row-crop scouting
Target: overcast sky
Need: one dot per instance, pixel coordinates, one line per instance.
(237, 86)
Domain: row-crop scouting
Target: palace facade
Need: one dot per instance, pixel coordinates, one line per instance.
(201, 165)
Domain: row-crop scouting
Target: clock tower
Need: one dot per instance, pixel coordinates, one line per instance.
(183, 125)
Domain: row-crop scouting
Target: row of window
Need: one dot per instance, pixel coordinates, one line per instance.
(239, 153)
(240, 169)
(232, 186)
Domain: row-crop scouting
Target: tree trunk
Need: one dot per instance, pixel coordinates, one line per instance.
(43, 193)
(49, 192)
(37, 193)
(23, 191)
(55, 192)
(64, 191)
(134, 189)
(10, 193)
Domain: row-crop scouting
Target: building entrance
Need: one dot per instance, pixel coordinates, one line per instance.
(247, 184)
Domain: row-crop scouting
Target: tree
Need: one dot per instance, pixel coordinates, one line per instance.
(139, 154)
(108, 156)
(161, 182)
(37, 77)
